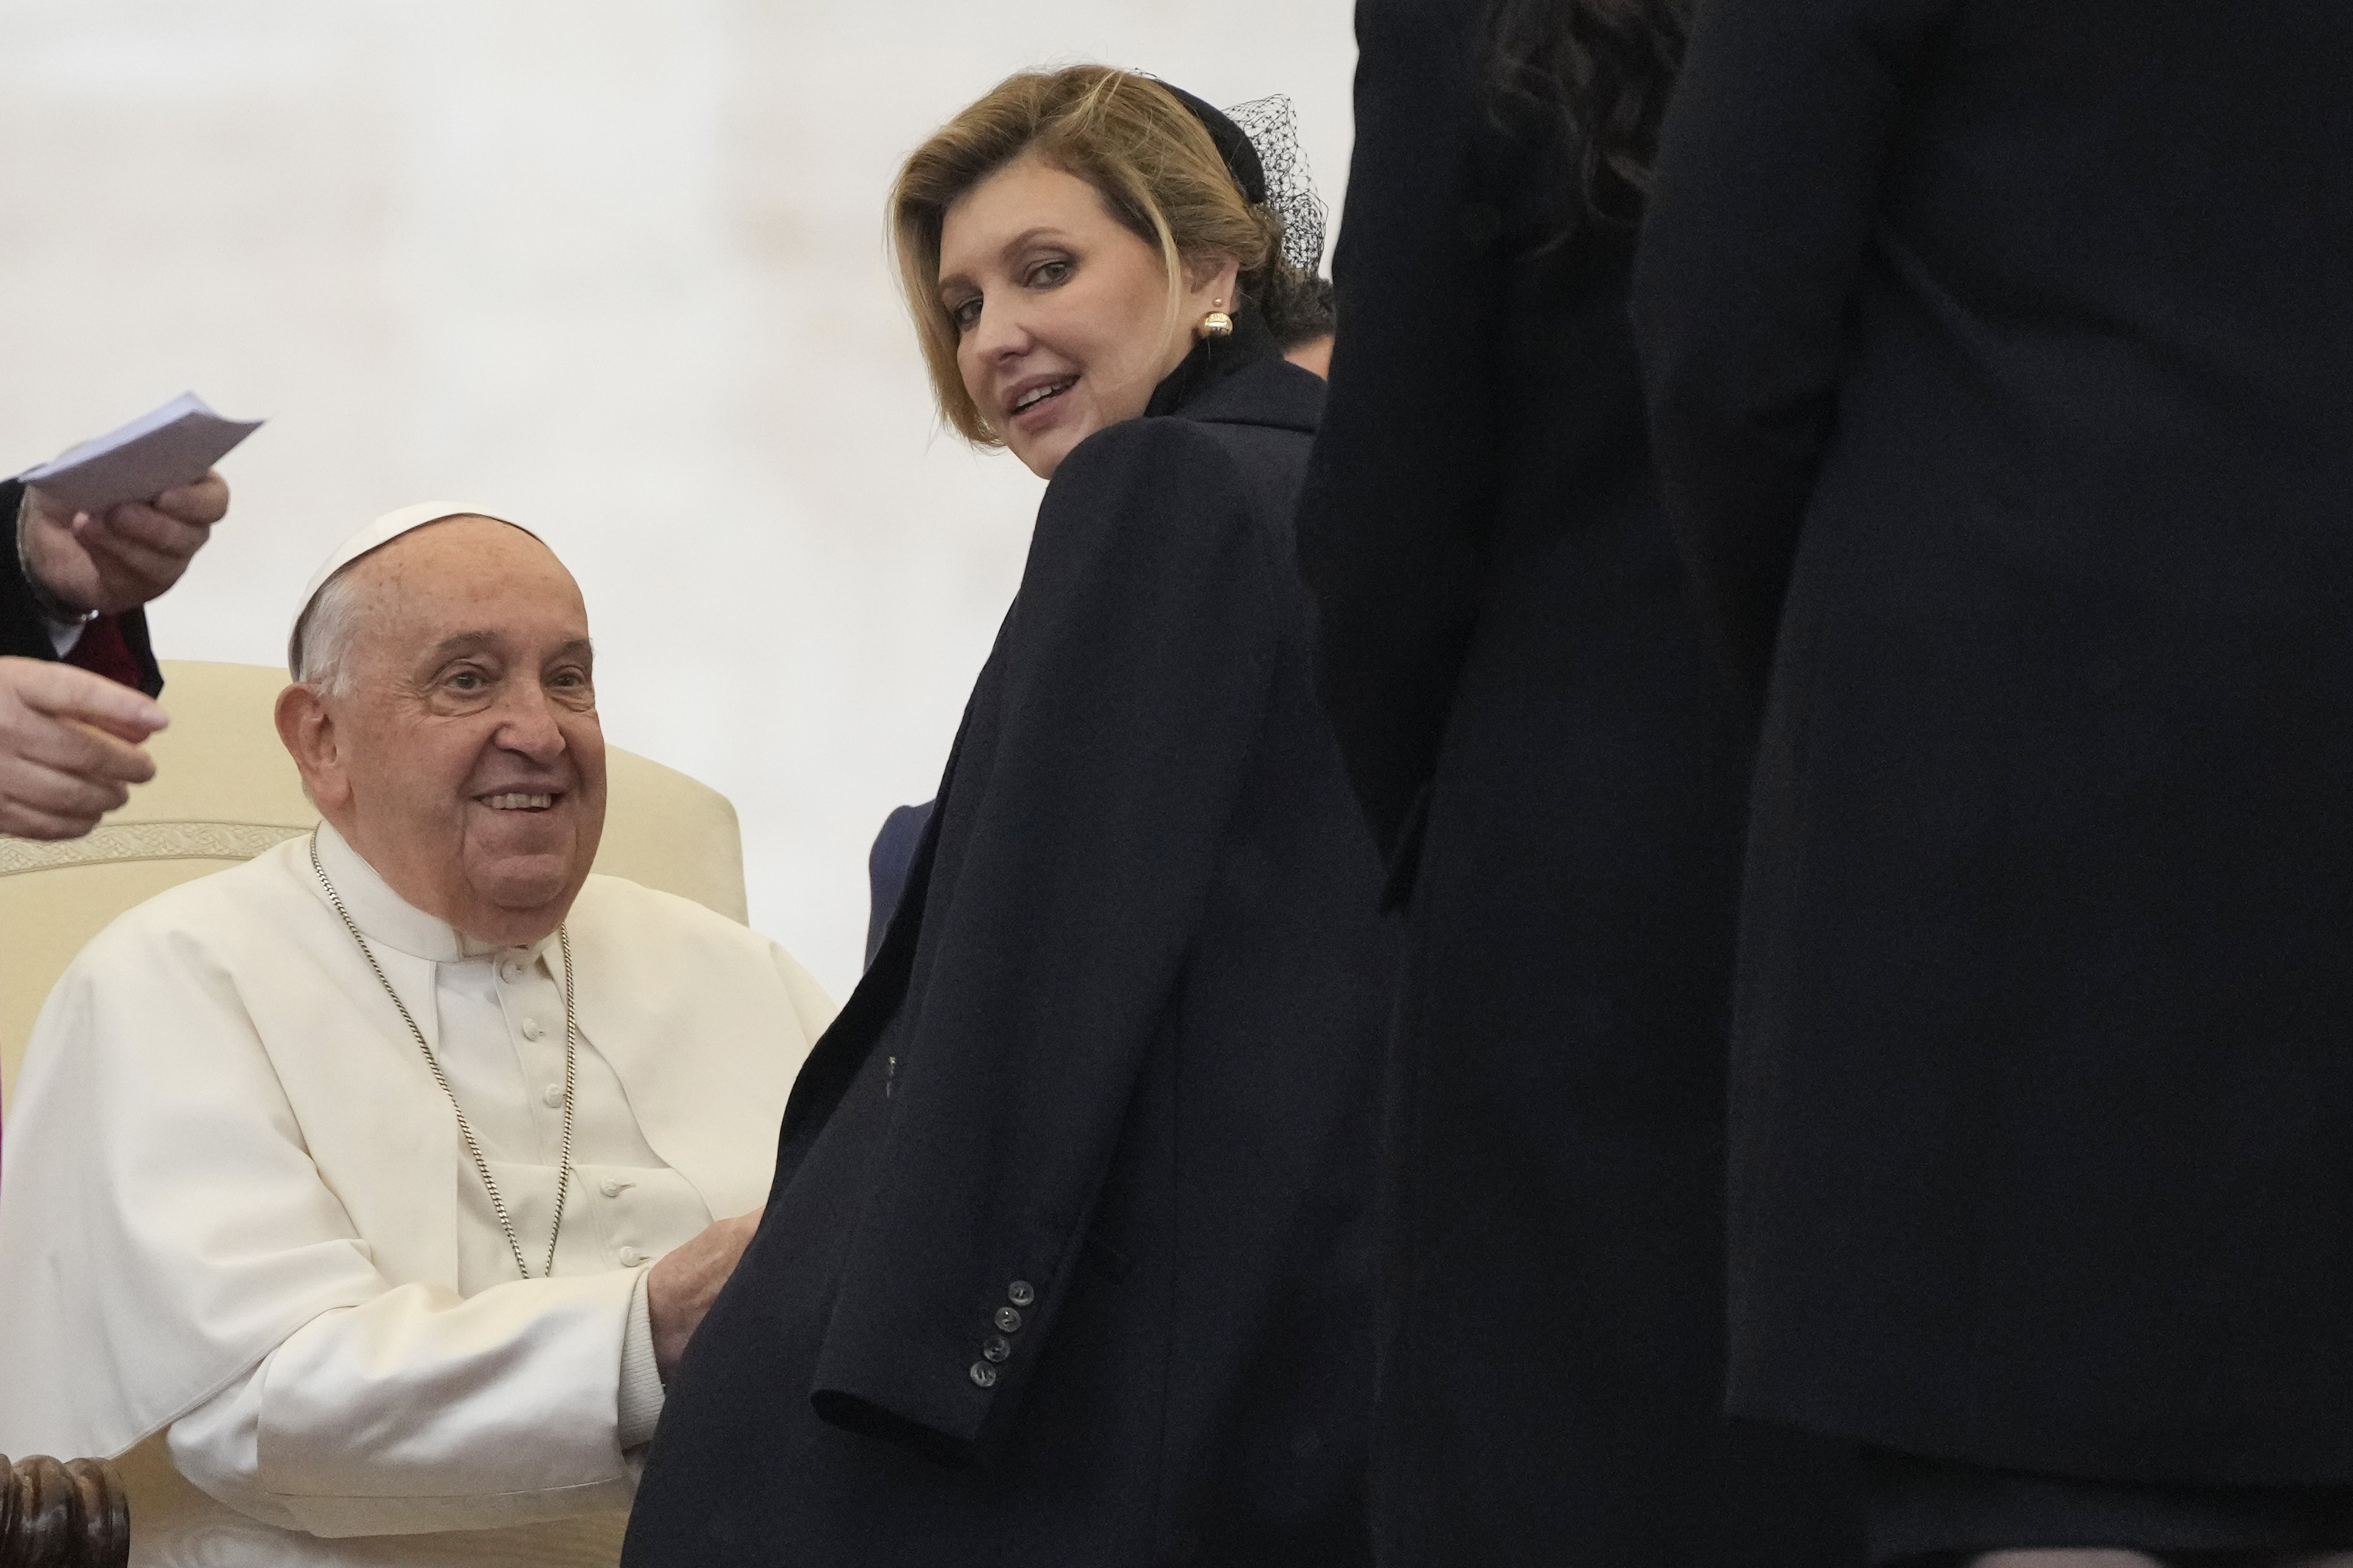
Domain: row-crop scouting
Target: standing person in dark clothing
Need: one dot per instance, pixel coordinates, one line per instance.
(1069, 1255)
(73, 637)
(2001, 354)
(1555, 771)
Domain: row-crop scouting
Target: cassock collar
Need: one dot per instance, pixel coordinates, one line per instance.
(383, 916)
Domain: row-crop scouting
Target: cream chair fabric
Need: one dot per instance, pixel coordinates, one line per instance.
(225, 790)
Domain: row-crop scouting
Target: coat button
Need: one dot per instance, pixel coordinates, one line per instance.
(996, 1347)
(631, 1257)
(1020, 1294)
(1008, 1319)
(609, 1187)
(554, 1095)
(531, 1029)
(510, 972)
(983, 1375)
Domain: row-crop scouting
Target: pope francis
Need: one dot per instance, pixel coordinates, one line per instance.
(363, 1195)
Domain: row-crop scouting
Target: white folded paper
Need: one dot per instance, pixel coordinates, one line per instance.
(172, 446)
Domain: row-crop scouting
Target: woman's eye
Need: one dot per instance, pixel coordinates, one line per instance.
(965, 313)
(1047, 274)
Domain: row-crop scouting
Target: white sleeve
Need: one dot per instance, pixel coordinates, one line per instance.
(65, 635)
(642, 1393)
(421, 1410)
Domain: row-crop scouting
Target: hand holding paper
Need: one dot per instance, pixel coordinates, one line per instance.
(115, 521)
(161, 450)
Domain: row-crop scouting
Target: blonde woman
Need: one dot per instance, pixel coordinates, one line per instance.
(1067, 1257)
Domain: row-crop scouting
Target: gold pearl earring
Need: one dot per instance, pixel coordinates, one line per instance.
(1216, 324)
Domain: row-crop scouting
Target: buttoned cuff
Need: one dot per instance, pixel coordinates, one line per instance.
(641, 1383)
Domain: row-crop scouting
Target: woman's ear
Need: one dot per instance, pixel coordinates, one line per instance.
(1213, 277)
(308, 731)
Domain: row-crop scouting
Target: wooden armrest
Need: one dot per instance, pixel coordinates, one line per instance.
(72, 1515)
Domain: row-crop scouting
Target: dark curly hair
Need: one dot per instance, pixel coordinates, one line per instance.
(1592, 77)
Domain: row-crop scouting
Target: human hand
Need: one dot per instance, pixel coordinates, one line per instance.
(69, 747)
(681, 1287)
(120, 559)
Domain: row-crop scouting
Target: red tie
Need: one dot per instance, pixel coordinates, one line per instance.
(104, 651)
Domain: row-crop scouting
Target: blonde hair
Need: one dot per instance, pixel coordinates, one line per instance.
(1149, 158)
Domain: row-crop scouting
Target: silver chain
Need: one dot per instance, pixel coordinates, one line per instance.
(466, 1128)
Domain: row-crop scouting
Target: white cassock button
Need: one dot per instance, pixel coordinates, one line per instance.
(531, 1029)
(631, 1257)
(511, 971)
(555, 1095)
(609, 1187)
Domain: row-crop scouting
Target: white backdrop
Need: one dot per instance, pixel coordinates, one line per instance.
(617, 267)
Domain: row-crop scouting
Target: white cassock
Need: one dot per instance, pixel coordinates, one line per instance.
(242, 1242)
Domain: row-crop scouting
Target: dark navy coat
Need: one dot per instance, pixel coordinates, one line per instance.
(1530, 712)
(1069, 1255)
(2002, 361)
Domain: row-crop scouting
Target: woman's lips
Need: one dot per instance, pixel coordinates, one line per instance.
(1041, 403)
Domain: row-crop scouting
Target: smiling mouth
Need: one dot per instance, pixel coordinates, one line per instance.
(1038, 395)
(517, 802)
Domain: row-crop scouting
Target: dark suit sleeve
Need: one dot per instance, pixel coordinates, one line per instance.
(24, 631)
(1087, 827)
(1764, 204)
(1391, 525)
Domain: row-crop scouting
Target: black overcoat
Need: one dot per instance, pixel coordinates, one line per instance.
(24, 631)
(1508, 646)
(1069, 1255)
(2002, 366)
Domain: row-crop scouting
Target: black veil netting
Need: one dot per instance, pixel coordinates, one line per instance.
(1272, 127)
(1259, 144)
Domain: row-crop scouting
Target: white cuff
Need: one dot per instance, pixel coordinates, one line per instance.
(641, 1383)
(65, 635)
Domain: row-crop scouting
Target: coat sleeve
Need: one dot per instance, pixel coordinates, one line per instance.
(1763, 206)
(1392, 523)
(1087, 827)
(24, 630)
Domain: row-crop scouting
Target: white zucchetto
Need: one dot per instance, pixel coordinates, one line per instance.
(376, 536)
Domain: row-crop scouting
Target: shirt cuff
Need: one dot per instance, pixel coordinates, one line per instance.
(65, 635)
(641, 1383)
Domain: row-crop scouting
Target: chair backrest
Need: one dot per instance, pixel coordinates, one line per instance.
(225, 790)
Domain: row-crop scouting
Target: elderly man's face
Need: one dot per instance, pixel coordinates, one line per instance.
(463, 759)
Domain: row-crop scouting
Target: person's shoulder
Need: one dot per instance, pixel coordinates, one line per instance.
(1234, 442)
(214, 911)
(1156, 486)
(1140, 453)
(621, 905)
(650, 938)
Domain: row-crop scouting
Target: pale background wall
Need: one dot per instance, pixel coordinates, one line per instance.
(617, 267)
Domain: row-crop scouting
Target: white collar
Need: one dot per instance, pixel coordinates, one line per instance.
(383, 916)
